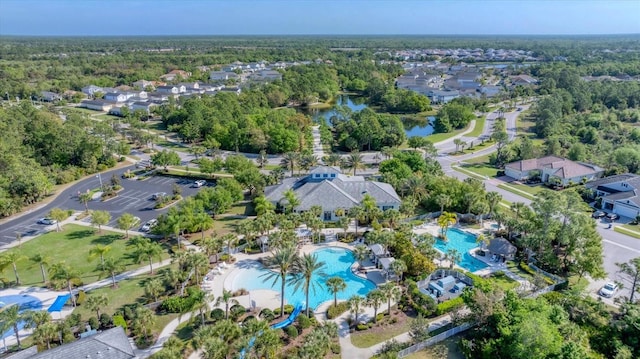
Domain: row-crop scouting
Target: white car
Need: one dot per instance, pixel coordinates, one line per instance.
(609, 290)
(158, 195)
(199, 183)
(150, 224)
(47, 221)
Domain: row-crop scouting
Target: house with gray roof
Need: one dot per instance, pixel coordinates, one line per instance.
(620, 194)
(330, 189)
(553, 169)
(112, 344)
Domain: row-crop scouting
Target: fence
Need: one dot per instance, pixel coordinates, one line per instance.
(433, 340)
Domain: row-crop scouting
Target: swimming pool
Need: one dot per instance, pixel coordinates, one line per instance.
(26, 302)
(463, 242)
(337, 262)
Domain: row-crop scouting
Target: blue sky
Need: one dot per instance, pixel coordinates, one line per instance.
(244, 17)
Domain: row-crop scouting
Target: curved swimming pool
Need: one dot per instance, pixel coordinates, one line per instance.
(25, 302)
(337, 263)
(463, 242)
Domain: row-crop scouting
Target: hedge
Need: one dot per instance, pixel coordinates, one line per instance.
(337, 310)
(422, 303)
(449, 305)
(525, 267)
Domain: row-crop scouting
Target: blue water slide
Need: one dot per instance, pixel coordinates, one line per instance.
(292, 317)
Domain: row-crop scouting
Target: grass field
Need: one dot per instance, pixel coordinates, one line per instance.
(468, 173)
(71, 245)
(632, 231)
(482, 169)
(478, 128)
(504, 282)
(368, 338)
(439, 137)
(446, 349)
(523, 190)
(480, 159)
(173, 146)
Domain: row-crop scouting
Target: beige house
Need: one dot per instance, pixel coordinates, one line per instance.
(553, 169)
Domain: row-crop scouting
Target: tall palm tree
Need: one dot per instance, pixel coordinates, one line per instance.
(361, 252)
(42, 261)
(332, 159)
(143, 321)
(62, 271)
(303, 270)
(374, 299)
(458, 143)
(262, 205)
(443, 201)
(355, 161)
(230, 239)
(262, 159)
(11, 315)
(390, 291)
(398, 267)
(85, 198)
(58, 215)
(493, 199)
(228, 300)
(126, 222)
(95, 302)
(282, 262)
(453, 256)
(335, 285)
(211, 246)
(200, 305)
(45, 334)
(391, 217)
(292, 200)
(198, 262)
(203, 222)
(99, 250)
(446, 220)
(308, 161)
(153, 288)
(112, 267)
(355, 304)
(12, 258)
(290, 160)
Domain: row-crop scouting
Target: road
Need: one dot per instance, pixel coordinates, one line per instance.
(135, 198)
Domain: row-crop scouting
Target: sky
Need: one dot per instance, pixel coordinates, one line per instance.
(318, 17)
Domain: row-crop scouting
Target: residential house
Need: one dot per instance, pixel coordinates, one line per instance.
(441, 96)
(328, 188)
(143, 84)
(267, 76)
(112, 343)
(490, 91)
(523, 80)
(91, 90)
(144, 106)
(178, 89)
(49, 96)
(554, 169)
(236, 90)
(223, 76)
(115, 97)
(619, 193)
(176, 75)
(98, 105)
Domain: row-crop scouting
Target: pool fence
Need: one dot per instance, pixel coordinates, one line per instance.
(435, 339)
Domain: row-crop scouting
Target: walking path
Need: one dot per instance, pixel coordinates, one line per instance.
(318, 150)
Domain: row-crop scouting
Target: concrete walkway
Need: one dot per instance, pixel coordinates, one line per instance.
(318, 150)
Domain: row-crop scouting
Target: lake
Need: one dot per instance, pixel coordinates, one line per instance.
(357, 103)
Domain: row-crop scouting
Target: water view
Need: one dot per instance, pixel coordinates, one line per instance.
(357, 103)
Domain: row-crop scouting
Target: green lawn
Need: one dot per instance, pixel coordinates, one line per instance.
(523, 190)
(438, 137)
(446, 349)
(80, 110)
(478, 128)
(632, 231)
(244, 208)
(504, 282)
(469, 173)
(482, 169)
(107, 117)
(514, 268)
(71, 245)
(480, 159)
(173, 146)
(367, 338)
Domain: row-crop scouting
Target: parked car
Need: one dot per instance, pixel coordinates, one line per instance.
(613, 216)
(47, 221)
(598, 214)
(609, 290)
(199, 183)
(158, 195)
(150, 224)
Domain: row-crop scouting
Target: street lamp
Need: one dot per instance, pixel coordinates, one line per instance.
(100, 178)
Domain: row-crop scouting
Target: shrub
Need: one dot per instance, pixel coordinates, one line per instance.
(105, 320)
(291, 331)
(525, 267)
(288, 309)
(174, 305)
(94, 323)
(240, 292)
(422, 303)
(362, 326)
(304, 322)
(236, 312)
(449, 305)
(217, 314)
(336, 310)
(119, 321)
(267, 314)
(335, 348)
(276, 312)
(379, 317)
(82, 296)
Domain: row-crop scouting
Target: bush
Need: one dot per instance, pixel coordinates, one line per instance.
(362, 326)
(119, 321)
(174, 305)
(292, 331)
(288, 309)
(303, 322)
(335, 348)
(217, 314)
(276, 312)
(82, 296)
(422, 303)
(379, 317)
(94, 323)
(240, 292)
(236, 312)
(105, 320)
(336, 310)
(449, 305)
(525, 267)
(267, 314)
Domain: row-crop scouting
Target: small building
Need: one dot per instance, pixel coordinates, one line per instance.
(619, 194)
(503, 248)
(171, 89)
(49, 96)
(553, 169)
(176, 75)
(441, 96)
(223, 76)
(115, 97)
(98, 105)
(143, 84)
(91, 90)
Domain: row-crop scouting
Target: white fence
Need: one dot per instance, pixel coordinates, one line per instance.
(433, 340)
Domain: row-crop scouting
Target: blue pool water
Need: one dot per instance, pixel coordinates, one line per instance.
(463, 242)
(26, 302)
(338, 263)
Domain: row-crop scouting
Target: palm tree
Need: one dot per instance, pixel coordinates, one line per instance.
(12, 258)
(153, 288)
(335, 285)
(211, 245)
(146, 249)
(126, 222)
(282, 262)
(85, 198)
(457, 142)
(493, 199)
(203, 222)
(303, 270)
(446, 220)
(200, 304)
(262, 159)
(391, 217)
(355, 304)
(361, 252)
(62, 271)
(11, 315)
(332, 159)
(292, 200)
(42, 261)
(143, 321)
(453, 256)
(112, 267)
(99, 219)
(391, 292)
(95, 302)
(230, 240)
(290, 160)
(308, 161)
(198, 262)
(398, 267)
(228, 300)
(45, 334)
(58, 215)
(443, 201)
(262, 205)
(343, 222)
(374, 299)
(355, 161)
(482, 240)
(99, 250)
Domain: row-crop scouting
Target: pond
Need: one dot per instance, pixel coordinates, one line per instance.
(357, 103)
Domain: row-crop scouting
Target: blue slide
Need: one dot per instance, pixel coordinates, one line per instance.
(291, 318)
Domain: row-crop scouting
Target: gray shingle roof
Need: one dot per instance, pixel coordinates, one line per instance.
(501, 246)
(611, 179)
(109, 344)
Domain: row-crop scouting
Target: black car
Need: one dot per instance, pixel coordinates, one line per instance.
(613, 216)
(598, 214)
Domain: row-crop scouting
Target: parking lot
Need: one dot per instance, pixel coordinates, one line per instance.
(135, 198)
